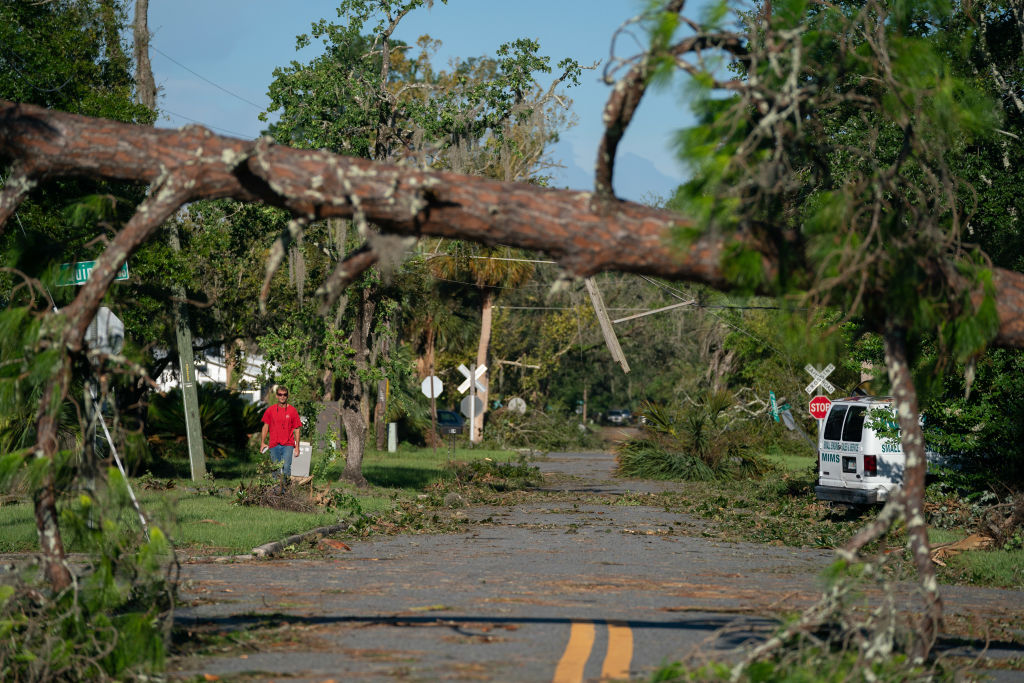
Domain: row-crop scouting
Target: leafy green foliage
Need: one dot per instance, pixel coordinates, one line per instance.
(540, 431)
(226, 418)
(982, 424)
(866, 182)
(67, 55)
(697, 442)
(112, 623)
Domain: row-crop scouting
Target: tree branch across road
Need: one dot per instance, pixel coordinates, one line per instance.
(585, 234)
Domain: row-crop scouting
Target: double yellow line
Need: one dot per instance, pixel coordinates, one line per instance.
(581, 642)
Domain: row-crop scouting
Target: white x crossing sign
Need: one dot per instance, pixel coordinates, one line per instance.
(819, 378)
(473, 377)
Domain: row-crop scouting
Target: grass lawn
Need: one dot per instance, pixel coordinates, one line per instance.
(793, 463)
(204, 518)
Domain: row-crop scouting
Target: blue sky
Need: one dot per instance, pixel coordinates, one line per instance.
(236, 44)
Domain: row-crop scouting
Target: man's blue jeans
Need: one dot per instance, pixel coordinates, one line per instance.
(283, 455)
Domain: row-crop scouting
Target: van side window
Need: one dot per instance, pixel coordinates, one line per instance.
(834, 423)
(854, 424)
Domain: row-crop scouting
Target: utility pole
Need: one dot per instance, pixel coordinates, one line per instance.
(186, 361)
(606, 325)
(145, 93)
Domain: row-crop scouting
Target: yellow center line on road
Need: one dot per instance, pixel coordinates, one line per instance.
(577, 652)
(620, 652)
(581, 641)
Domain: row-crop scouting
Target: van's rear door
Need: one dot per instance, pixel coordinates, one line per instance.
(830, 456)
(841, 462)
(852, 460)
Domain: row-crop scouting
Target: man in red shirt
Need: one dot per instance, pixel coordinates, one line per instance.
(282, 424)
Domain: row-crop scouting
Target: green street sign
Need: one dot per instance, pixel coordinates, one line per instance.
(78, 273)
(775, 407)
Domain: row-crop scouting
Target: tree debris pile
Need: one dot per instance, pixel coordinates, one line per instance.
(1000, 523)
(855, 632)
(299, 495)
(539, 431)
(492, 475)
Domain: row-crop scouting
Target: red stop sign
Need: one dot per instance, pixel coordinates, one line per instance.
(820, 406)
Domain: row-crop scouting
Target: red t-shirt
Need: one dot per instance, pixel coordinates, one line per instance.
(282, 421)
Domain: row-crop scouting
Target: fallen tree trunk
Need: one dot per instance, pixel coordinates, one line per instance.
(585, 234)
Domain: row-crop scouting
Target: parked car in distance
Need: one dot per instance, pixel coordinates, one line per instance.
(619, 417)
(449, 422)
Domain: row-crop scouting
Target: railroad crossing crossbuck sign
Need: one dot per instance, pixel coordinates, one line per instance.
(473, 377)
(819, 378)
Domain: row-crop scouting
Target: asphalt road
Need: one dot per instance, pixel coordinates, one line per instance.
(583, 586)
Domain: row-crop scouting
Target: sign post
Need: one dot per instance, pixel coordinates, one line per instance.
(820, 404)
(472, 375)
(432, 388)
(187, 365)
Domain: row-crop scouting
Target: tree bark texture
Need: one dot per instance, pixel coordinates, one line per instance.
(586, 235)
(145, 85)
(908, 502)
(352, 403)
(912, 436)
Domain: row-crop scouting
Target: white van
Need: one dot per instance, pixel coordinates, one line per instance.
(856, 465)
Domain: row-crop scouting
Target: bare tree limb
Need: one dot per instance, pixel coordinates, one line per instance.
(16, 189)
(344, 273)
(168, 193)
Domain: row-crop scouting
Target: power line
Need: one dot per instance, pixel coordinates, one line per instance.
(561, 308)
(201, 123)
(200, 76)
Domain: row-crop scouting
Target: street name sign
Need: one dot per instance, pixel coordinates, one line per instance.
(78, 273)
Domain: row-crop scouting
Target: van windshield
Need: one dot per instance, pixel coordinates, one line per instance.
(834, 423)
(854, 427)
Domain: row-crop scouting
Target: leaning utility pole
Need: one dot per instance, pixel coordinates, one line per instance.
(187, 365)
(606, 325)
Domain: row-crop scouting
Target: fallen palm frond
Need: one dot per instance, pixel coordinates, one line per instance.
(700, 441)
